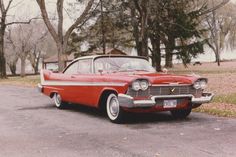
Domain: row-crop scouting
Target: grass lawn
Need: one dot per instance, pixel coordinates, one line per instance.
(229, 99)
(216, 111)
(222, 105)
(29, 81)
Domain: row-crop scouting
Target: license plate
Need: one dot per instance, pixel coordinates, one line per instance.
(170, 103)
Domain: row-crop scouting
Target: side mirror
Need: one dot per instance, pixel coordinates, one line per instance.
(100, 70)
(165, 71)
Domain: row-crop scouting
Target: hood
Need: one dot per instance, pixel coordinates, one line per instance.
(158, 78)
(155, 78)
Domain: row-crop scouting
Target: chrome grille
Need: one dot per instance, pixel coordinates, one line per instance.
(165, 90)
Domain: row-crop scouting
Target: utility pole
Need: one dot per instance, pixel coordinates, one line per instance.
(102, 29)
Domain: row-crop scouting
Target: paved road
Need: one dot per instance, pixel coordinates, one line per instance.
(30, 126)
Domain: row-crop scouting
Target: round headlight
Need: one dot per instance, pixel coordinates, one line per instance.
(203, 84)
(144, 85)
(197, 85)
(136, 85)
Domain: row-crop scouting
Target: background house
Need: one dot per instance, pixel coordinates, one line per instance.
(51, 63)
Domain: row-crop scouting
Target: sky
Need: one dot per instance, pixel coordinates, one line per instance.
(23, 10)
(26, 9)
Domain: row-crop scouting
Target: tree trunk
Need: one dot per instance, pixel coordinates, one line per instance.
(3, 73)
(169, 51)
(23, 65)
(156, 54)
(217, 55)
(12, 67)
(215, 38)
(169, 56)
(36, 67)
(144, 37)
(134, 23)
(61, 57)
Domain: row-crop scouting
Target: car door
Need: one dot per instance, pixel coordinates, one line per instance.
(80, 77)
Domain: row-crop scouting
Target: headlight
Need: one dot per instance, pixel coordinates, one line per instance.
(200, 84)
(203, 84)
(197, 85)
(136, 85)
(140, 84)
(144, 85)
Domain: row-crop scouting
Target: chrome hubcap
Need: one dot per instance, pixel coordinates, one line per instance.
(114, 107)
(57, 99)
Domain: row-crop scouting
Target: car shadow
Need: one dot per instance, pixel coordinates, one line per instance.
(157, 117)
(131, 118)
(36, 107)
(85, 110)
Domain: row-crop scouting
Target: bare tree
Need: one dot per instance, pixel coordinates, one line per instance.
(219, 27)
(11, 52)
(58, 34)
(26, 41)
(37, 45)
(24, 45)
(4, 9)
(34, 58)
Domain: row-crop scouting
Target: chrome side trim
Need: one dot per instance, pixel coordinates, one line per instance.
(75, 83)
(169, 85)
(71, 83)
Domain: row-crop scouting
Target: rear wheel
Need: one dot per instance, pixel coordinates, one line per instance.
(181, 113)
(114, 111)
(58, 101)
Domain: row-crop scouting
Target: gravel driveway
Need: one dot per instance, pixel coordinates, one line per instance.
(32, 127)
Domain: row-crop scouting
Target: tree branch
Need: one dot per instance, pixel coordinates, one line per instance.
(137, 7)
(16, 4)
(2, 7)
(8, 6)
(49, 25)
(79, 20)
(88, 17)
(26, 22)
(215, 7)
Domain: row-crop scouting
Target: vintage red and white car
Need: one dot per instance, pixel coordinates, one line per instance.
(123, 84)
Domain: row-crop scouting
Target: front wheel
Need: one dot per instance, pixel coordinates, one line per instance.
(58, 101)
(181, 113)
(114, 111)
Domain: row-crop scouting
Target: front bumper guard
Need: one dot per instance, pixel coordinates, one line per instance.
(129, 102)
(40, 88)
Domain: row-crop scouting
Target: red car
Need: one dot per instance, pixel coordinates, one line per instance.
(123, 84)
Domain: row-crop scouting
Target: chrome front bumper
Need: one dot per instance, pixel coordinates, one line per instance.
(129, 102)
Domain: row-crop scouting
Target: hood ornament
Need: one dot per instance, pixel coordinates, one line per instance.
(172, 90)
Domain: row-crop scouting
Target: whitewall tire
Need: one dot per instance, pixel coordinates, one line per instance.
(58, 101)
(114, 111)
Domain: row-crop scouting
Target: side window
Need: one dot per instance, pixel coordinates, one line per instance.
(85, 66)
(72, 69)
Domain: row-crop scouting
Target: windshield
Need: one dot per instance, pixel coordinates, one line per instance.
(122, 64)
